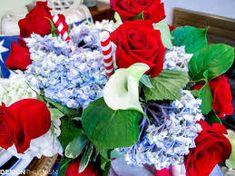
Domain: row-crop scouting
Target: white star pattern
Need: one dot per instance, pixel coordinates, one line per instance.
(2, 50)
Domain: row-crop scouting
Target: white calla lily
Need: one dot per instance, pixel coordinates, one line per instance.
(122, 90)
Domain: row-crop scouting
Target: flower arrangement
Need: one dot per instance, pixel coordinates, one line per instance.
(152, 95)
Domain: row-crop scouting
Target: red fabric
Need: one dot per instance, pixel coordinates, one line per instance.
(222, 103)
(163, 172)
(19, 57)
(73, 170)
(23, 121)
(212, 148)
(36, 21)
(137, 41)
(128, 9)
(63, 21)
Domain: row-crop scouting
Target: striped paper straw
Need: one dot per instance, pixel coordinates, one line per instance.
(107, 53)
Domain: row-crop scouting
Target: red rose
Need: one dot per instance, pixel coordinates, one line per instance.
(21, 122)
(137, 41)
(128, 9)
(212, 148)
(73, 170)
(19, 57)
(222, 103)
(163, 172)
(36, 21)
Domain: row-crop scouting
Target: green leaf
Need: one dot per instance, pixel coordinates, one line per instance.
(192, 38)
(55, 113)
(69, 131)
(216, 58)
(140, 16)
(145, 80)
(75, 148)
(64, 163)
(195, 93)
(65, 110)
(85, 158)
(107, 128)
(205, 94)
(167, 86)
(213, 118)
(122, 89)
(165, 33)
(53, 29)
(117, 18)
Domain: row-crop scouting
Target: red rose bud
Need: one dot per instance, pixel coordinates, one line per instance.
(23, 121)
(212, 148)
(128, 9)
(137, 41)
(74, 167)
(222, 103)
(19, 57)
(36, 21)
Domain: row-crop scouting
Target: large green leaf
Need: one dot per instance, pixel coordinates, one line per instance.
(192, 38)
(216, 59)
(69, 132)
(167, 86)
(165, 33)
(122, 89)
(76, 146)
(107, 128)
(64, 163)
(205, 94)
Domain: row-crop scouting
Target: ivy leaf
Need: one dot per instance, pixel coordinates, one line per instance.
(107, 128)
(167, 86)
(117, 18)
(145, 80)
(64, 163)
(85, 158)
(165, 33)
(213, 118)
(192, 38)
(216, 59)
(55, 113)
(69, 132)
(75, 148)
(65, 110)
(122, 89)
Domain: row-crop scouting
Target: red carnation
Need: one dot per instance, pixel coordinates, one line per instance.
(23, 121)
(212, 148)
(137, 41)
(128, 9)
(73, 170)
(222, 103)
(36, 21)
(19, 57)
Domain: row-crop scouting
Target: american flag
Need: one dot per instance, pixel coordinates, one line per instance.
(5, 45)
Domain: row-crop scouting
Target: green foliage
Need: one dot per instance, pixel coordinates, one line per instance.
(55, 113)
(76, 146)
(165, 33)
(167, 86)
(140, 16)
(215, 58)
(64, 163)
(107, 128)
(85, 158)
(65, 110)
(145, 80)
(205, 94)
(192, 38)
(69, 132)
(213, 118)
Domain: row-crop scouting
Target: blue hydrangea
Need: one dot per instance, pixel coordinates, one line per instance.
(170, 134)
(66, 73)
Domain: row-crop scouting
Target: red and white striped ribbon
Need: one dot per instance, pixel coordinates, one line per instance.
(107, 53)
(63, 31)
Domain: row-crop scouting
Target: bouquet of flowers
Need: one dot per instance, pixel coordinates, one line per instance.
(137, 89)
